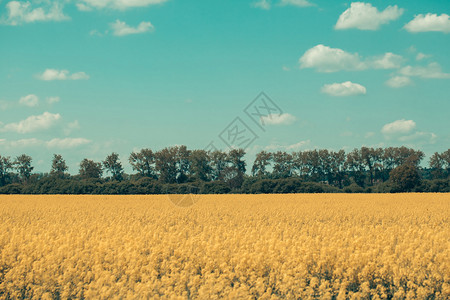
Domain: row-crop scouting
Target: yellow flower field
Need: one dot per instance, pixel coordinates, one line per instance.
(328, 246)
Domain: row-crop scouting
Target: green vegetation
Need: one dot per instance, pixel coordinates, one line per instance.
(179, 170)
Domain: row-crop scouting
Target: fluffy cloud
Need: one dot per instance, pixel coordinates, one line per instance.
(399, 81)
(79, 76)
(432, 70)
(347, 88)
(55, 143)
(429, 22)
(364, 16)
(298, 146)
(32, 123)
(53, 74)
(86, 5)
(403, 132)
(326, 59)
(51, 100)
(277, 119)
(71, 127)
(267, 4)
(419, 137)
(398, 127)
(22, 143)
(29, 100)
(23, 12)
(4, 105)
(263, 4)
(388, 61)
(300, 3)
(83, 7)
(289, 148)
(121, 28)
(67, 143)
(421, 56)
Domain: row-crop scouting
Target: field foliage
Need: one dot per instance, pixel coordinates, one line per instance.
(329, 246)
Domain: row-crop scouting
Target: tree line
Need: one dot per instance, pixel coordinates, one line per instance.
(180, 170)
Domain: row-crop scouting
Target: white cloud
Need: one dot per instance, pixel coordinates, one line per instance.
(277, 119)
(267, 4)
(429, 22)
(421, 56)
(347, 88)
(95, 32)
(71, 127)
(388, 61)
(326, 59)
(29, 100)
(54, 74)
(369, 134)
(364, 16)
(432, 70)
(79, 76)
(298, 146)
(300, 3)
(398, 127)
(4, 105)
(263, 4)
(85, 5)
(51, 100)
(32, 123)
(121, 28)
(53, 143)
(290, 148)
(284, 68)
(23, 12)
(22, 143)
(399, 81)
(419, 136)
(403, 132)
(67, 143)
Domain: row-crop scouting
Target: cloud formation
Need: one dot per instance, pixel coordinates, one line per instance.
(21, 143)
(23, 12)
(51, 100)
(277, 119)
(29, 100)
(267, 4)
(302, 145)
(55, 143)
(54, 74)
(86, 5)
(432, 70)
(120, 28)
(299, 3)
(429, 22)
(388, 61)
(347, 88)
(66, 143)
(398, 81)
(32, 123)
(263, 4)
(398, 127)
(364, 16)
(326, 59)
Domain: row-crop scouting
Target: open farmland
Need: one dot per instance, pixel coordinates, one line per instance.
(329, 246)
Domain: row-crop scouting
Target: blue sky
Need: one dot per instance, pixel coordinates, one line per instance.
(85, 78)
